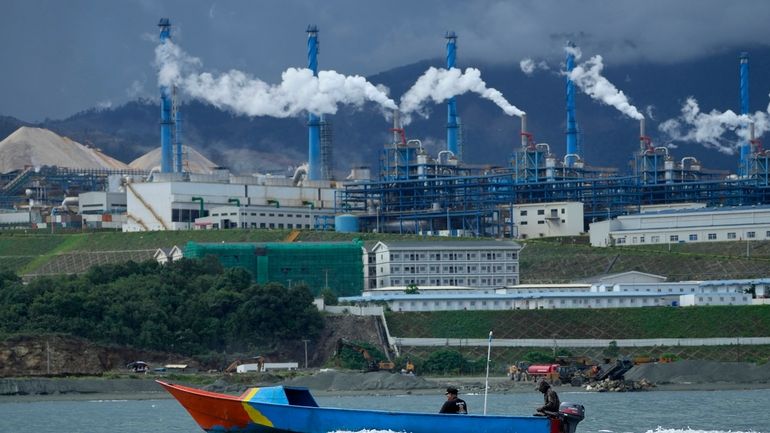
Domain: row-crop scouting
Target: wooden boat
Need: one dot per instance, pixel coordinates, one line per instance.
(283, 409)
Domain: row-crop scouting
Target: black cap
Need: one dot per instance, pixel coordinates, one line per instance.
(451, 390)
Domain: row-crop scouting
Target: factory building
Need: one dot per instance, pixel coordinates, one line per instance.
(478, 264)
(101, 209)
(684, 226)
(177, 205)
(538, 220)
(267, 217)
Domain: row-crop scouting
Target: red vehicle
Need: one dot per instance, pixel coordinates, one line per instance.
(549, 372)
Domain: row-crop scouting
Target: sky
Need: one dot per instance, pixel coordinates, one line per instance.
(61, 57)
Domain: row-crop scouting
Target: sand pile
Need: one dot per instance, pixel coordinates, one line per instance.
(350, 381)
(37, 147)
(684, 372)
(195, 162)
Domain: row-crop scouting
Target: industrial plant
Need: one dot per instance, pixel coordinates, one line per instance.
(540, 191)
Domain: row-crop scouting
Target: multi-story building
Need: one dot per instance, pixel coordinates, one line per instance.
(538, 220)
(478, 264)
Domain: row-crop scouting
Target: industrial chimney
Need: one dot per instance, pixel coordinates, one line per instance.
(166, 152)
(745, 147)
(451, 126)
(313, 120)
(572, 142)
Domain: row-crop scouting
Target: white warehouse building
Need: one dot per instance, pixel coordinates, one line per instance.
(684, 225)
(175, 205)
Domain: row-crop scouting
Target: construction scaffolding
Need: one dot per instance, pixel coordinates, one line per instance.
(337, 266)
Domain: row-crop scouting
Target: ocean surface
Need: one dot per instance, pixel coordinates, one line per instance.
(655, 412)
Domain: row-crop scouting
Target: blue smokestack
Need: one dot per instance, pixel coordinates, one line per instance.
(451, 125)
(166, 156)
(313, 121)
(745, 147)
(178, 141)
(572, 143)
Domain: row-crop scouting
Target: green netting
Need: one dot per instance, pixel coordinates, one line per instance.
(315, 264)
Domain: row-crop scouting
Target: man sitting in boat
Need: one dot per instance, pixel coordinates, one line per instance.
(453, 404)
(550, 398)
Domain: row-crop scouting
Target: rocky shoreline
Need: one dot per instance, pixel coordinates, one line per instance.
(681, 375)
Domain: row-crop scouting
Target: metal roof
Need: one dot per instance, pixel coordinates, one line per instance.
(443, 245)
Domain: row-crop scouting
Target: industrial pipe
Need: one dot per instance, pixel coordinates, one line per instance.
(548, 148)
(575, 155)
(275, 202)
(203, 211)
(663, 148)
(235, 200)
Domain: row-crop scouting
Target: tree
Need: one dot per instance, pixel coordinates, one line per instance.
(412, 289)
(329, 297)
(612, 350)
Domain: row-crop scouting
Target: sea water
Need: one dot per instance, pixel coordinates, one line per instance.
(642, 412)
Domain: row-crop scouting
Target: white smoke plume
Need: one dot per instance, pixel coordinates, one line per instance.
(298, 92)
(709, 129)
(438, 85)
(575, 51)
(588, 77)
(529, 66)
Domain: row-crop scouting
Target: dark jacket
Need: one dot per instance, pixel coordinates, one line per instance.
(456, 405)
(551, 400)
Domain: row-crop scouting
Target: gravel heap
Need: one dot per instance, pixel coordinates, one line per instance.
(683, 372)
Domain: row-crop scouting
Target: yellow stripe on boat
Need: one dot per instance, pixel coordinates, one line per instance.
(254, 414)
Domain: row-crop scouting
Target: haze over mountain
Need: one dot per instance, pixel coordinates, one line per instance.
(269, 144)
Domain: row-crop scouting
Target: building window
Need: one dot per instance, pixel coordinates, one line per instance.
(654, 239)
(693, 237)
(541, 211)
(523, 223)
(674, 238)
(523, 213)
(731, 235)
(712, 236)
(751, 235)
(541, 222)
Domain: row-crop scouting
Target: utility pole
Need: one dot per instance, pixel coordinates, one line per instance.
(305, 341)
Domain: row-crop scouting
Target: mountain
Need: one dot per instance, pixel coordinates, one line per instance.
(609, 139)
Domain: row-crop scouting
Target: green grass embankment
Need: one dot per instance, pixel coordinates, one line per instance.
(606, 324)
(28, 253)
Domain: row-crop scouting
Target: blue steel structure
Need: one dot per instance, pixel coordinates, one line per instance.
(418, 194)
(314, 171)
(745, 148)
(451, 105)
(572, 133)
(166, 152)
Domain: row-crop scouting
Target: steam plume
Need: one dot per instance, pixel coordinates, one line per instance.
(298, 92)
(439, 85)
(710, 129)
(529, 66)
(588, 76)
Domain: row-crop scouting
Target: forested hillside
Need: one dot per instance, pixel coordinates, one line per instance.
(189, 307)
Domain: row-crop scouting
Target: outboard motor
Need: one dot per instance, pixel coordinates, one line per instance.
(571, 414)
